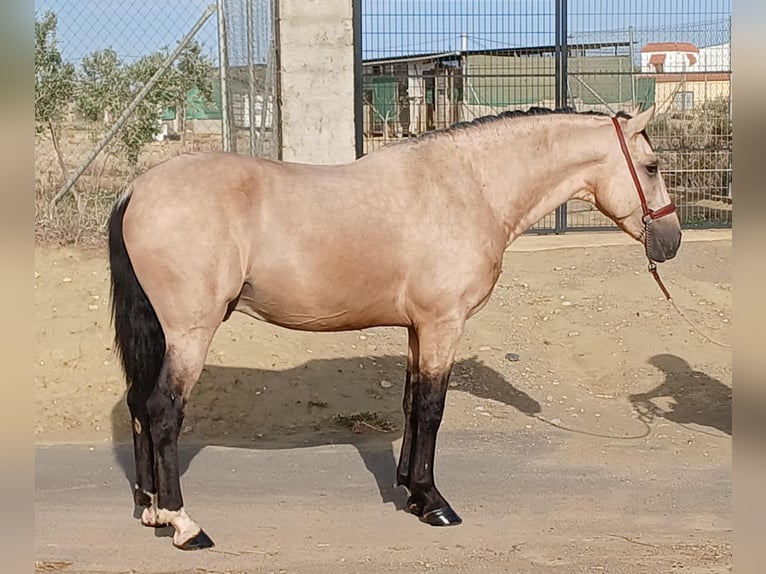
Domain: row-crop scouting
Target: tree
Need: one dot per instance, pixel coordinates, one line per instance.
(104, 87)
(195, 70)
(54, 82)
(697, 146)
(109, 85)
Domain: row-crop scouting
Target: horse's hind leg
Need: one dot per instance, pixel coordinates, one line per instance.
(437, 345)
(410, 416)
(183, 364)
(145, 495)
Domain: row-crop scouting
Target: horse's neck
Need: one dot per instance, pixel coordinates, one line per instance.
(528, 172)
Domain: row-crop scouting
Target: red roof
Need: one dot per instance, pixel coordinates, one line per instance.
(679, 77)
(670, 47)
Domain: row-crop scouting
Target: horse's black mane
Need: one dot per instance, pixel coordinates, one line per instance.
(508, 114)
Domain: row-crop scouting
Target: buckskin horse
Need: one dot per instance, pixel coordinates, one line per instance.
(411, 235)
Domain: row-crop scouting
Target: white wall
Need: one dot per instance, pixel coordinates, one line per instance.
(715, 58)
(709, 59)
(675, 61)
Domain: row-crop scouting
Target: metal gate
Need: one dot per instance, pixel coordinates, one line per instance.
(249, 63)
(443, 61)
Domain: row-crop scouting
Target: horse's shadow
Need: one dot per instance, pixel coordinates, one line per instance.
(241, 406)
(697, 397)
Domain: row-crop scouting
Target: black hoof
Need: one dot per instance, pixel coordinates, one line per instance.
(199, 542)
(441, 517)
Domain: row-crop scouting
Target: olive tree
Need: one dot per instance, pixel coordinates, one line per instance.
(108, 85)
(54, 82)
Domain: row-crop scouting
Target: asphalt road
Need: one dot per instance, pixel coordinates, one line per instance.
(331, 508)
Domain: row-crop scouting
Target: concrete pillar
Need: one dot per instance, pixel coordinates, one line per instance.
(317, 80)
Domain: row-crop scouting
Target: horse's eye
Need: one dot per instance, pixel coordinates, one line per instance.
(651, 169)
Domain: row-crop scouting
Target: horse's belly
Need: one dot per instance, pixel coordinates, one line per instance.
(336, 309)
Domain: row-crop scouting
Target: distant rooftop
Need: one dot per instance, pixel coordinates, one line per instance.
(670, 47)
(516, 51)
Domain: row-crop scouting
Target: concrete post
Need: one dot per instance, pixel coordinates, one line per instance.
(316, 75)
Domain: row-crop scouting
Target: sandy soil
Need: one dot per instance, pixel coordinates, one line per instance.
(600, 353)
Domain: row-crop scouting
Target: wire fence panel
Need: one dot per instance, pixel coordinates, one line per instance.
(673, 54)
(95, 61)
(430, 63)
(123, 86)
(251, 77)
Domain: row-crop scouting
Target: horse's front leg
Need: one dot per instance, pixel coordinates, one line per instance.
(437, 354)
(410, 415)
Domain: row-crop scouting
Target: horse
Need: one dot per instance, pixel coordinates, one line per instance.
(411, 235)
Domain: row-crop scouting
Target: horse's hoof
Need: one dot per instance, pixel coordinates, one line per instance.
(198, 542)
(441, 517)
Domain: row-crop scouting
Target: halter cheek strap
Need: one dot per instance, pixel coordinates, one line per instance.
(649, 214)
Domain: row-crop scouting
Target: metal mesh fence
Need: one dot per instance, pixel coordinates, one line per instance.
(122, 86)
(92, 60)
(251, 79)
(677, 57)
(430, 63)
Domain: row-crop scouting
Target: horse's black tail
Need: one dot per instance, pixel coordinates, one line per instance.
(139, 340)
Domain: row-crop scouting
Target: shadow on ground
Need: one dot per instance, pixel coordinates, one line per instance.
(697, 398)
(294, 408)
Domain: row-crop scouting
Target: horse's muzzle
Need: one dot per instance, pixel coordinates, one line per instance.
(663, 238)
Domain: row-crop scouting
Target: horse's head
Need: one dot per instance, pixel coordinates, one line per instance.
(632, 192)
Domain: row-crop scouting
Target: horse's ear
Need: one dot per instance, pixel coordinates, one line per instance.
(636, 111)
(639, 121)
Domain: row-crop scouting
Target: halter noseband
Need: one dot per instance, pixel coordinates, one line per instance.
(649, 214)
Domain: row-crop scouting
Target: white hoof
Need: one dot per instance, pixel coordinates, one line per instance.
(185, 528)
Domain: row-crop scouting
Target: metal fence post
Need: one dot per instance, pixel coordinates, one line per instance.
(251, 75)
(562, 54)
(223, 63)
(631, 50)
(358, 79)
(276, 113)
(267, 87)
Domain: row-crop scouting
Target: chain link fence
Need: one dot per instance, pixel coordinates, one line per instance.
(430, 63)
(123, 86)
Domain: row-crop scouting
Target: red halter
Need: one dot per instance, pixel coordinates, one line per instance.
(649, 215)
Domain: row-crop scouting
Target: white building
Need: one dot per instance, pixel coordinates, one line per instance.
(680, 57)
(685, 76)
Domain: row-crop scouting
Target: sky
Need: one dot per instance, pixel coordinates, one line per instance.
(391, 27)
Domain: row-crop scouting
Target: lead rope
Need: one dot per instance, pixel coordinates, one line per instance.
(656, 275)
(648, 217)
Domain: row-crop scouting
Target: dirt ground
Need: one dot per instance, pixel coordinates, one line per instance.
(598, 352)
